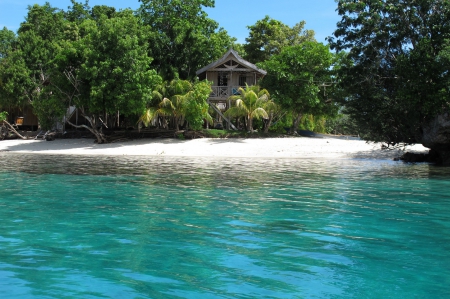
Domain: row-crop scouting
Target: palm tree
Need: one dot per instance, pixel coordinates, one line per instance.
(172, 102)
(173, 99)
(273, 110)
(250, 103)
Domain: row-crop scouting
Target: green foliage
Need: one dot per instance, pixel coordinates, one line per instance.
(239, 48)
(342, 124)
(7, 39)
(295, 78)
(180, 100)
(78, 12)
(16, 84)
(26, 69)
(250, 103)
(268, 37)
(283, 123)
(96, 59)
(197, 107)
(49, 110)
(213, 133)
(395, 77)
(184, 39)
(313, 123)
(116, 65)
(3, 116)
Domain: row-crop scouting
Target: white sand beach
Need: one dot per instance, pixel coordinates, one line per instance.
(294, 147)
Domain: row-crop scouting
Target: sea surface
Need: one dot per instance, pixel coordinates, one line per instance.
(160, 227)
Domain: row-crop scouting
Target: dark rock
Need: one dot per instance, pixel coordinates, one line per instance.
(431, 157)
(436, 136)
(413, 158)
(50, 137)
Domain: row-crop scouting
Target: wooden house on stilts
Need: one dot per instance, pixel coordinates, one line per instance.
(228, 74)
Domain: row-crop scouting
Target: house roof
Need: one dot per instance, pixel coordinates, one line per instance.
(226, 58)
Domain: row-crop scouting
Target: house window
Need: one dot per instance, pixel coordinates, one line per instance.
(222, 79)
(242, 80)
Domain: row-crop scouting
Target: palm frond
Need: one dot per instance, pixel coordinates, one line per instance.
(235, 111)
(148, 116)
(259, 113)
(206, 115)
(166, 104)
(165, 111)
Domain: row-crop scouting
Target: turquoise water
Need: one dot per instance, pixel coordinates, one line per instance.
(121, 227)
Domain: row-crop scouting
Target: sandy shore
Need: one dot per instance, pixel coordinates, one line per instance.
(295, 147)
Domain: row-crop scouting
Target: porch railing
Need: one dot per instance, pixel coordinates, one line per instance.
(224, 91)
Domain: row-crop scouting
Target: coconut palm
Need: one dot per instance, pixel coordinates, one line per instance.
(151, 112)
(250, 103)
(168, 100)
(274, 111)
(174, 99)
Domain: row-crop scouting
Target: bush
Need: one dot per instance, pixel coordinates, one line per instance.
(343, 124)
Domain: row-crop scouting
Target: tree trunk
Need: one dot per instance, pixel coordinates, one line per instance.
(175, 123)
(269, 123)
(101, 138)
(297, 120)
(249, 124)
(14, 130)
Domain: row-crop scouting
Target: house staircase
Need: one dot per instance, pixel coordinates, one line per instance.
(223, 116)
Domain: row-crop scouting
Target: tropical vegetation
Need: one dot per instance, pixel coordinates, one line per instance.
(387, 77)
(178, 102)
(396, 76)
(251, 103)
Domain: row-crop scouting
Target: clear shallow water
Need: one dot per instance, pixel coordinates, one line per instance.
(122, 227)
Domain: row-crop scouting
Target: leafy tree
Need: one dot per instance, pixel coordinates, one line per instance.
(184, 39)
(395, 78)
(115, 72)
(7, 39)
(197, 107)
(250, 103)
(268, 37)
(297, 78)
(342, 124)
(15, 81)
(25, 71)
(78, 12)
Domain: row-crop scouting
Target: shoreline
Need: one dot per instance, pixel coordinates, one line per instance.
(291, 147)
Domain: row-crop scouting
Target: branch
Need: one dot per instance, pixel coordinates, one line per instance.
(14, 130)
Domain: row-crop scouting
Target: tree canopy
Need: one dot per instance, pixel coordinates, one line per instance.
(295, 77)
(7, 39)
(268, 37)
(105, 61)
(395, 78)
(183, 38)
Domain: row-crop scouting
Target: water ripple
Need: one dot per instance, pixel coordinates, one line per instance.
(140, 227)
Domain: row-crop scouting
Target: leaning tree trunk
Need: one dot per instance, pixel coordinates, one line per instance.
(269, 123)
(14, 130)
(296, 123)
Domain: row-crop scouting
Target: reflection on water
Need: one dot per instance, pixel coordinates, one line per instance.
(159, 227)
